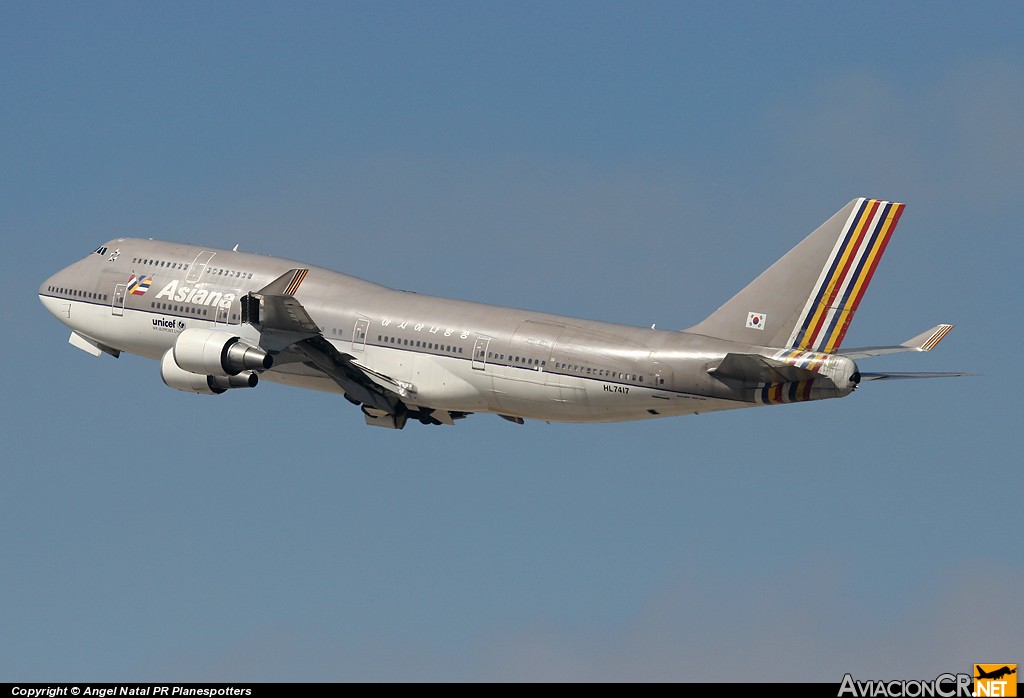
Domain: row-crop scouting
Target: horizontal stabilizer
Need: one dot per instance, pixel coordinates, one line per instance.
(754, 369)
(896, 376)
(926, 341)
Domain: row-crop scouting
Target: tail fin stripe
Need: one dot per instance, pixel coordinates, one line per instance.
(807, 298)
(845, 278)
(839, 308)
(837, 301)
(889, 217)
(820, 302)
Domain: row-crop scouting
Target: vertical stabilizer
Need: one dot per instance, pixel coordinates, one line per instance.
(807, 299)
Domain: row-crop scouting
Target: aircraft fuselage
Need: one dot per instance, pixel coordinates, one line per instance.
(139, 295)
(218, 320)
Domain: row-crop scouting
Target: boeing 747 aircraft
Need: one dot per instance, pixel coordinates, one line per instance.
(219, 320)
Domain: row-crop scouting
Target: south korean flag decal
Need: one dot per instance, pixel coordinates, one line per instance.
(755, 321)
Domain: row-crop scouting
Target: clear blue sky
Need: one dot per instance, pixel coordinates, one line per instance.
(632, 162)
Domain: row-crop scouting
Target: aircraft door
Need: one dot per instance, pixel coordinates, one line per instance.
(221, 315)
(117, 300)
(198, 266)
(661, 376)
(359, 334)
(228, 313)
(480, 353)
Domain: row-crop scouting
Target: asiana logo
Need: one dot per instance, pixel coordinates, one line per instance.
(196, 295)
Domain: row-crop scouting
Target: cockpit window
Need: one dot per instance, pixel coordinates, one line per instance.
(101, 250)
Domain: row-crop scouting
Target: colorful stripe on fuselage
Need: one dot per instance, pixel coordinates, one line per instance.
(781, 393)
(796, 391)
(845, 276)
(811, 360)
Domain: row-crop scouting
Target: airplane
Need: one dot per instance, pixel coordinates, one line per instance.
(996, 674)
(219, 320)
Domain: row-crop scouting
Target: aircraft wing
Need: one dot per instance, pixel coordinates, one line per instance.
(286, 328)
(926, 341)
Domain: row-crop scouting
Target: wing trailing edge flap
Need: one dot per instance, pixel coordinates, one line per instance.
(926, 341)
(352, 379)
(754, 369)
(404, 390)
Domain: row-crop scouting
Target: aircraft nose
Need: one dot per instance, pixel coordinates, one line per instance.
(61, 283)
(47, 287)
(55, 284)
(50, 285)
(53, 294)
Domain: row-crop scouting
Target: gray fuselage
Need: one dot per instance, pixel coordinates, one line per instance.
(138, 295)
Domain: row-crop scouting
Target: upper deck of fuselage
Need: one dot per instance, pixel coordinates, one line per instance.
(166, 273)
(168, 261)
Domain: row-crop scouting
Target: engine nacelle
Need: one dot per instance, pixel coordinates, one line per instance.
(217, 353)
(178, 378)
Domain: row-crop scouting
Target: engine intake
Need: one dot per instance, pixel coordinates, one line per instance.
(217, 353)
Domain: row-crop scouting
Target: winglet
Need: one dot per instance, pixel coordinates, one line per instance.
(285, 285)
(926, 341)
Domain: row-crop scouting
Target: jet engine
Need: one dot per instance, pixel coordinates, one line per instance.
(217, 353)
(178, 378)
